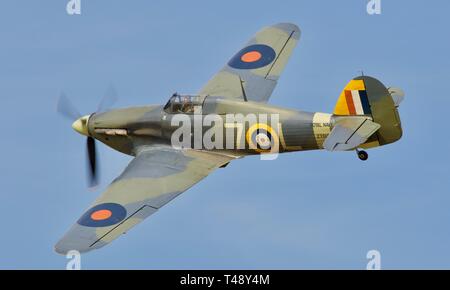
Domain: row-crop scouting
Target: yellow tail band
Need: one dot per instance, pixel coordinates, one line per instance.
(353, 100)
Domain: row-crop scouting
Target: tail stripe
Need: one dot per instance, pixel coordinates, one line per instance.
(365, 102)
(353, 100)
(357, 103)
(350, 103)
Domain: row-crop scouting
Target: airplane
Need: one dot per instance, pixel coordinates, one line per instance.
(365, 116)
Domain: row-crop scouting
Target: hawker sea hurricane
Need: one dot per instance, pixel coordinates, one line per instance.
(365, 116)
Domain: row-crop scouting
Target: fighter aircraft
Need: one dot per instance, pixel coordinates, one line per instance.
(365, 116)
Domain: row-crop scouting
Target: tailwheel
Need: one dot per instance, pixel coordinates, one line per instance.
(362, 155)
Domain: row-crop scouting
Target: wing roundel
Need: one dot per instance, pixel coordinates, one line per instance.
(252, 73)
(156, 176)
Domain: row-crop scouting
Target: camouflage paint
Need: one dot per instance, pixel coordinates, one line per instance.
(159, 172)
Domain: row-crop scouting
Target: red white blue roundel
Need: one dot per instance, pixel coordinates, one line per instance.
(252, 57)
(262, 139)
(103, 215)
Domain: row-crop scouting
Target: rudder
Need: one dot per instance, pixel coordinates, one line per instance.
(367, 96)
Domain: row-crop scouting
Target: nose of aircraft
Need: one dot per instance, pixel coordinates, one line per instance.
(81, 125)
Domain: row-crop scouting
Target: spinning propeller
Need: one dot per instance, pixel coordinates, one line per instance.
(80, 124)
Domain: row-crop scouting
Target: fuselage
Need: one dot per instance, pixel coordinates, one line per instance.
(243, 122)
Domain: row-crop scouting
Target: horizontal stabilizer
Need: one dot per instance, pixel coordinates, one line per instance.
(349, 133)
(397, 95)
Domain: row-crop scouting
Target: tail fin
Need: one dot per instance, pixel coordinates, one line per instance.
(353, 100)
(367, 96)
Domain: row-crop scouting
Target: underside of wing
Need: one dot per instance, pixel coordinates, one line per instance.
(349, 133)
(151, 180)
(253, 72)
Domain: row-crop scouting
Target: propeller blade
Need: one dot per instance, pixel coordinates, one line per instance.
(92, 162)
(108, 100)
(65, 107)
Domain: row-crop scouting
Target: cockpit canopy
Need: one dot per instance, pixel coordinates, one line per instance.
(186, 104)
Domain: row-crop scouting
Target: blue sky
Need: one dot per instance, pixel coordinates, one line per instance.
(305, 210)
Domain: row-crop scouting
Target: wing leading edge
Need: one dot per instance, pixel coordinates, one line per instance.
(253, 72)
(151, 180)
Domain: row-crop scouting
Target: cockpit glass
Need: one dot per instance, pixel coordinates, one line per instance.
(186, 104)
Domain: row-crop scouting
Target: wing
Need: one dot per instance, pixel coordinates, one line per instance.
(349, 133)
(253, 72)
(152, 179)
